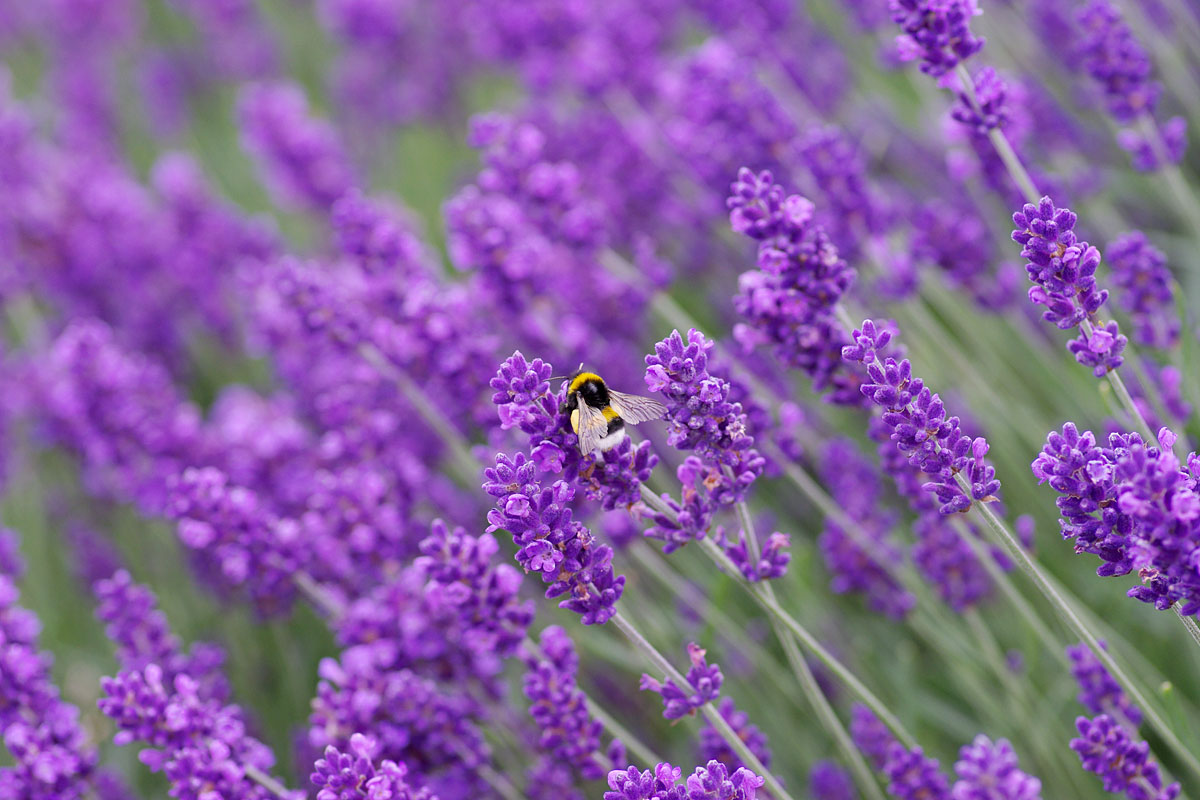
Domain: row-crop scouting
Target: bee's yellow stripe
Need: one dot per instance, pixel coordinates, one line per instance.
(608, 413)
(581, 379)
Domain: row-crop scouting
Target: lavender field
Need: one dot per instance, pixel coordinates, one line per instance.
(614, 399)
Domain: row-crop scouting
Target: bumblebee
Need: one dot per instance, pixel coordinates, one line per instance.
(599, 414)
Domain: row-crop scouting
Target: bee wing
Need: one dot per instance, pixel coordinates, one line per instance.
(591, 427)
(634, 408)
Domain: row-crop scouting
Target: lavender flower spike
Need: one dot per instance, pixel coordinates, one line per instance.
(352, 774)
(1140, 271)
(704, 682)
(1063, 270)
(988, 771)
(1106, 749)
(935, 31)
(710, 782)
(919, 426)
(550, 541)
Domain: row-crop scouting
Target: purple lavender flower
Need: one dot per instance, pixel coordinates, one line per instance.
(120, 412)
(50, 753)
(300, 155)
(989, 771)
(851, 209)
(1098, 692)
(559, 706)
(1082, 472)
(1063, 269)
(692, 514)
(1116, 61)
(1107, 749)
(828, 781)
(914, 776)
(772, 561)
(236, 541)
(919, 425)
(198, 744)
(990, 109)
(412, 719)
(713, 746)
(1140, 271)
(870, 735)
(936, 31)
(352, 775)
(142, 636)
(949, 563)
(700, 414)
(711, 782)
(1147, 153)
(855, 486)
(704, 683)
(788, 301)
(551, 543)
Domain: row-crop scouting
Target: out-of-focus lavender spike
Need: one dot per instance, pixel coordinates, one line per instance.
(1098, 692)
(719, 116)
(713, 746)
(988, 771)
(828, 781)
(789, 301)
(142, 636)
(559, 706)
(1140, 271)
(119, 412)
(949, 563)
(1115, 59)
(855, 486)
(704, 685)
(870, 735)
(1063, 270)
(235, 42)
(935, 31)
(562, 550)
(300, 155)
(851, 209)
(411, 718)
(912, 775)
(1108, 750)
(661, 783)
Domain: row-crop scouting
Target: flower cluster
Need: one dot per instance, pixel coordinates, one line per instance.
(1140, 272)
(988, 770)
(860, 561)
(50, 751)
(700, 414)
(1115, 60)
(352, 775)
(196, 742)
(1098, 692)
(789, 301)
(919, 426)
(662, 783)
(936, 31)
(1063, 270)
(1108, 750)
(561, 549)
(1133, 505)
(704, 683)
(567, 732)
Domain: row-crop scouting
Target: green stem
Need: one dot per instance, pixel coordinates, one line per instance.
(709, 711)
(856, 687)
(266, 781)
(804, 674)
